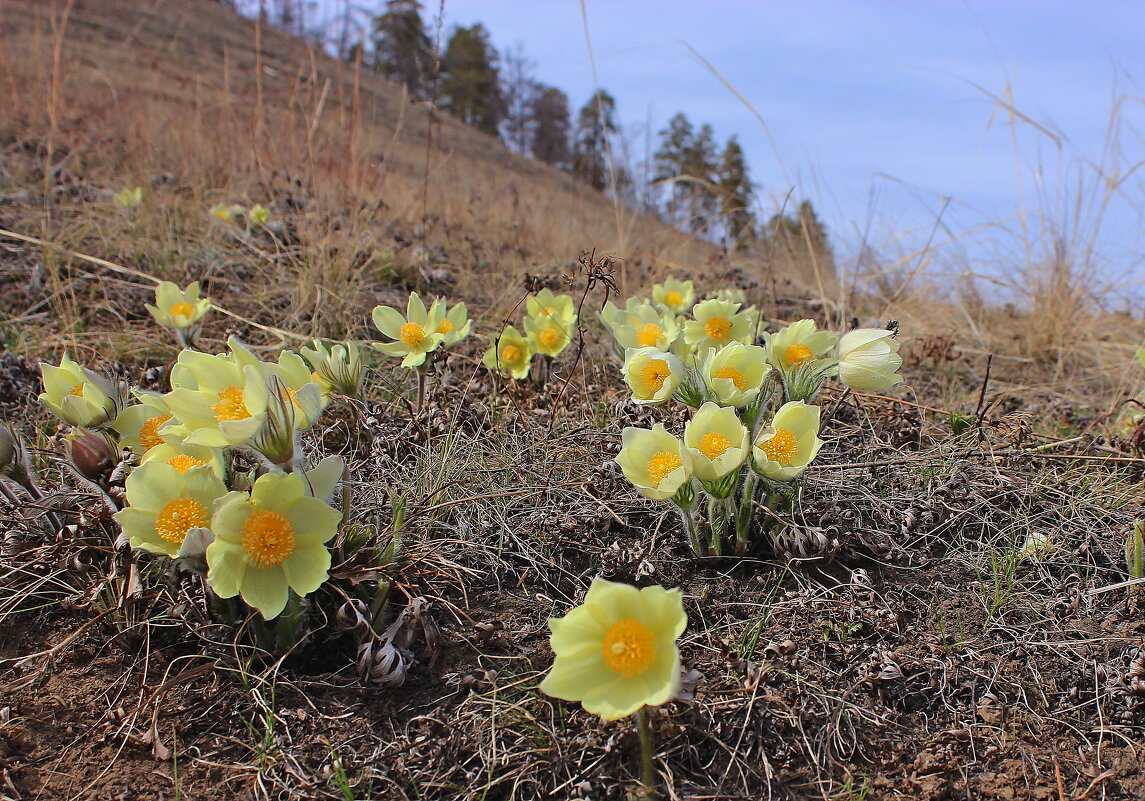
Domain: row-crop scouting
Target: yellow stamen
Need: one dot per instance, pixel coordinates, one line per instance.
(628, 647)
(649, 334)
(511, 354)
(182, 308)
(182, 462)
(717, 327)
(714, 445)
(797, 354)
(445, 327)
(178, 517)
(673, 298)
(412, 334)
(77, 389)
(149, 431)
(550, 310)
(781, 447)
(267, 538)
(550, 337)
(735, 375)
(654, 373)
(661, 465)
(230, 406)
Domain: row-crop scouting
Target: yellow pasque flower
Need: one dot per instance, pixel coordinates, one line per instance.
(736, 373)
(717, 441)
(645, 326)
(547, 304)
(178, 454)
(166, 507)
(77, 395)
(415, 333)
(868, 359)
(337, 369)
(139, 425)
(454, 325)
(258, 215)
(298, 383)
(731, 296)
(798, 344)
(651, 374)
(783, 449)
(617, 652)
(270, 543)
(676, 295)
(178, 308)
(716, 323)
(613, 317)
(654, 461)
(129, 197)
(512, 354)
(215, 401)
(548, 334)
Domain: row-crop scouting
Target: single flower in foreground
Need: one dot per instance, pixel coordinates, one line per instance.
(617, 652)
(783, 449)
(868, 359)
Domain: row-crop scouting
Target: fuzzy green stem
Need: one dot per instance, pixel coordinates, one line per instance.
(745, 511)
(688, 517)
(647, 770)
(719, 513)
(422, 370)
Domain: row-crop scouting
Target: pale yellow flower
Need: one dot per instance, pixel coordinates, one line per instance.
(77, 395)
(455, 323)
(868, 359)
(617, 652)
(270, 543)
(511, 353)
(178, 308)
(258, 215)
(548, 335)
(415, 333)
(797, 344)
(716, 440)
(547, 304)
(736, 373)
(166, 505)
(716, 323)
(645, 326)
(651, 374)
(676, 295)
(783, 449)
(129, 197)
(654, 461)
(139, 425)
(215, 401)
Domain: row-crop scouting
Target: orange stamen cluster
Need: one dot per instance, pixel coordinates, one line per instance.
(781, 447)
(628, 647)
(654, 373)
(661, 465)
(178, 517)
(717, 327)
(149, 431)
(267, 538)
(230, 406)
(714, 445)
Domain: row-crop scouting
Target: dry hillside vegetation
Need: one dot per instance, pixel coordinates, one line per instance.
(949, 624)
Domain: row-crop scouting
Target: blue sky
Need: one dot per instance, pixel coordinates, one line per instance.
(872, 106)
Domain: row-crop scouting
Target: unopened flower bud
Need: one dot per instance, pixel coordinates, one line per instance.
(276, 441)
(91, 453)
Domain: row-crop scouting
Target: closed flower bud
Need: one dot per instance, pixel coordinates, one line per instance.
(868, 359)
(91, 453)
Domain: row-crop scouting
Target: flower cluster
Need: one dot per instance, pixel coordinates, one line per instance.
(420, 330)
(755, 429)
(550, 322)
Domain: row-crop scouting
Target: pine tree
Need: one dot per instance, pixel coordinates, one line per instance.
(736, 191)
(700, 169)
(402, 50)
(519, 88)
(670, 161)
(550, 124)
(596, 122)
(470, 86)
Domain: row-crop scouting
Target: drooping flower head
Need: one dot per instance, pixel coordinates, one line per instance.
(617, 652)
(166, 506)
(798, 344)
(676, 295)
(338, 369)
(651, 374)
(717, 441)
(77, 395)
(270, 542)
(784, 449)
(716, 323)
(511, 353)
(868, 359)
(177, 308)
(656, 463)
(736, 373)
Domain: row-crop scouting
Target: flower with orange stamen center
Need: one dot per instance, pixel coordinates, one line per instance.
(654, 461)
(717, 441)
(617, 652)
(271, 543)
(165, 504)
(77, 395)
(176, 308)
(676, 295)
(414, 334)
(784, 449)
(736, 373)
(652, 375)
(717, 323)
(510, 353)
(800, 343)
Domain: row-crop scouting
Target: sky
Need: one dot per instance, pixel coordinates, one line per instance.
(883, 113)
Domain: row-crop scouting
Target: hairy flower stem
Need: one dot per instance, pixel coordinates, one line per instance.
(647, 771)
(720, 511)
(422, 371)
(744, 513)
(692, 529)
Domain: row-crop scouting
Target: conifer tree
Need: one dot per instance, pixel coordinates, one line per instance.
(670, 160)
(470, 86)
(736, 191)
(549, 117)
(519, 89)
(402, 50)
(596, 122)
